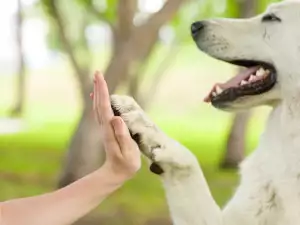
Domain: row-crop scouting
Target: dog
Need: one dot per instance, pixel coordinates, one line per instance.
(268, 46)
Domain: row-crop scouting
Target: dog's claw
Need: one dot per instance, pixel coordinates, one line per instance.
(155, 168)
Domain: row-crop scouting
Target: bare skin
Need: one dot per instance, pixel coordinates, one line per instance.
(65, 206)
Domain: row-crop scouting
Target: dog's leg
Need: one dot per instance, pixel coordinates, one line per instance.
(188, 194)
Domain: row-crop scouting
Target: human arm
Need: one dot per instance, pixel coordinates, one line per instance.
(68, 204)
(63, 206)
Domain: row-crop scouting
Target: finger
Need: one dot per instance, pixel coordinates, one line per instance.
(111, 144)
(92, 97)
(95, 99)
(122, 134)
(102, 109)
(102, 99)
(94, 93)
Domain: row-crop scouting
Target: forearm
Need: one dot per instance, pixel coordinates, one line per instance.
(63, 206)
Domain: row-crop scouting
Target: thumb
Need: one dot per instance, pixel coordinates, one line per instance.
(121, 133)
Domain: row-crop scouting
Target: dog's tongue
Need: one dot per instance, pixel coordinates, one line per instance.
(233, 82)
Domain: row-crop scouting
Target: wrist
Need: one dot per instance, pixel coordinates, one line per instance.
(115, 176)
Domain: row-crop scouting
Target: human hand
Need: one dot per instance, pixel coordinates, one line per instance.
(122, 153)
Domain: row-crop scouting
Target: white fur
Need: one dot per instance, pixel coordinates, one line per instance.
(269, 190)
(187, 192)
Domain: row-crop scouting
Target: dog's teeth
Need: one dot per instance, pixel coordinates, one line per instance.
(214, 94)
(267, 72)
(252, 78)
(260, 72)
(219, 90)
(244, 82)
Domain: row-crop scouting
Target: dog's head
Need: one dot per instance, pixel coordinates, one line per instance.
(267, 45)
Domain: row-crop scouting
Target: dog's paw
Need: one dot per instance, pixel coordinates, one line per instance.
(164, 152)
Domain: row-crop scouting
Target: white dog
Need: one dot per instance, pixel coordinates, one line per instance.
(268, 45)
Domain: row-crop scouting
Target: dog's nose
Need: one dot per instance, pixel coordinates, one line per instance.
(196, 27)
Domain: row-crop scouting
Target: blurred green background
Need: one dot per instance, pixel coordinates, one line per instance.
(49, 51)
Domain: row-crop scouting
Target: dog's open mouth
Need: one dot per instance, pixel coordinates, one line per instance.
(256, 79)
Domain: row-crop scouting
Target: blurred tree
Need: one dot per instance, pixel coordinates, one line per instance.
(179, 26)
(133, 43)
(20, 88)
(236, 146)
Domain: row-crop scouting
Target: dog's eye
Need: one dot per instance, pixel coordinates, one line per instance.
(271, 18)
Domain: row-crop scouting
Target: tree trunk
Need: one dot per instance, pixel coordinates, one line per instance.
(86, 152)
(145, 97)
(247, 8)
(20, 96)
(235, 148)
(140, 44)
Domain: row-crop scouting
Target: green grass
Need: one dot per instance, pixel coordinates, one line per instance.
(31, 170)
(31, 161)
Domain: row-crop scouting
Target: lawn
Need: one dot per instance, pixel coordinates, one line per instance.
(31, 159)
